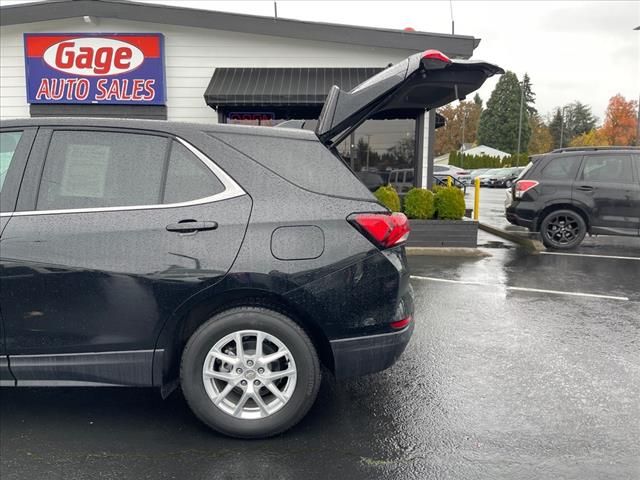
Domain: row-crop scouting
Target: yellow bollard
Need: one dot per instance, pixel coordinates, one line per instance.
(449, 181)
(476, 199)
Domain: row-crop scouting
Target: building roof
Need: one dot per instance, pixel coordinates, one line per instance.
(453, 45)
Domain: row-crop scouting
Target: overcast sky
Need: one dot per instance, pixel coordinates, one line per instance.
(574, 50)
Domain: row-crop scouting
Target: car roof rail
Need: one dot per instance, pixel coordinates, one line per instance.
(592, 149)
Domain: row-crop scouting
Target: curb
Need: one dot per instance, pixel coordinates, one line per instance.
(447, 252)
(522, 240)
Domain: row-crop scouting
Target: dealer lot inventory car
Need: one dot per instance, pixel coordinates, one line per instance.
(570, 192)
(229, 260)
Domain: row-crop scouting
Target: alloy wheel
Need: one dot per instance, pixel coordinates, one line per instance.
(249, 374)
(563, 229)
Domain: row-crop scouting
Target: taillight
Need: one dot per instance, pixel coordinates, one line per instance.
(383, 229)
(397, 325)
(523, 186)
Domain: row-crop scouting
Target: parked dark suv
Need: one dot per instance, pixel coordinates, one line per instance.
(573, 191)
(229, 260)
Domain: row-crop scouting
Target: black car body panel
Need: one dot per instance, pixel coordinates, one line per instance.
(422, 81)
(610, 204)
(105, 297)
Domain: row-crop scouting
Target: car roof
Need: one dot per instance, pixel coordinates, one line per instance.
(158, 125)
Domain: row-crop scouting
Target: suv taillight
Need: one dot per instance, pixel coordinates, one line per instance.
(523, 186)
(383, 229)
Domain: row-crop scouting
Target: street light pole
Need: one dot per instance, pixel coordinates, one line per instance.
(562, 125)
(520, 122)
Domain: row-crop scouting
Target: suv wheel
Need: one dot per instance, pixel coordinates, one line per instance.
(250, 372)
(563, 229)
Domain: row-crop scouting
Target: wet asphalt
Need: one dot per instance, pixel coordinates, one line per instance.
(495, 384)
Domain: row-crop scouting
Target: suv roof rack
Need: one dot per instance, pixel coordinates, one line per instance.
(591, 149)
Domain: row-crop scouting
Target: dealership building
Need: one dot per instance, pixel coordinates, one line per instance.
(74, 58)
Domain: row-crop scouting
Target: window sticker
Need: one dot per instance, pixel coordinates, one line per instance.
(85, 171)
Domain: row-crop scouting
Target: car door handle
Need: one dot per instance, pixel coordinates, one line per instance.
(585, 188)
(188, 226)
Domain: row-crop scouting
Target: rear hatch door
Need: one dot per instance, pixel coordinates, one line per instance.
(420, 82)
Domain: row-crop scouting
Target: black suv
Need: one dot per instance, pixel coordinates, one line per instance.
(573, 191)
(230, 260)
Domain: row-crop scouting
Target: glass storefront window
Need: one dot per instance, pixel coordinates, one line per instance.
(383, 149)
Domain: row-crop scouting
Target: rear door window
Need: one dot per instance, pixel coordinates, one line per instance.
(95, 169)
(8, 145)
(608, 169)
(561, 168)
(188, 178)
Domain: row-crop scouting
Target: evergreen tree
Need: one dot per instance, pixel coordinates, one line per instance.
(578, 120)
(529, 96)
(477, 100)
(500, 120)
(555, 127)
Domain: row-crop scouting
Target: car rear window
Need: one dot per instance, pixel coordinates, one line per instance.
(305, 163)
(561, 168)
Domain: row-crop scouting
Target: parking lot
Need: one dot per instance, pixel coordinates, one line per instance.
(521, 366)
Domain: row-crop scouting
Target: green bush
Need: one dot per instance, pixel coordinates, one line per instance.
(449, 203)
(387, 196)
(418, 204)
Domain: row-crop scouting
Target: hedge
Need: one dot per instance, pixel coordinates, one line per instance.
(449, 203)
(419, 204)
(387, 196)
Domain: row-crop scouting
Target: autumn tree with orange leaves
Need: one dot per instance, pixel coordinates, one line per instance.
(621, 121)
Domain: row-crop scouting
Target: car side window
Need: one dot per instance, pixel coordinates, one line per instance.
(8, 144)
(561, 168)
(608, 168)
(188, 178)
(439, 168)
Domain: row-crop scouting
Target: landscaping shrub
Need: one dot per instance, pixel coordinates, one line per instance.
(449, 203)
(418, 204)
(387, 196)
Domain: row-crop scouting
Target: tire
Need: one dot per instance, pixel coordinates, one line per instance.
(210, 364)
(508, 184)
(563, 229)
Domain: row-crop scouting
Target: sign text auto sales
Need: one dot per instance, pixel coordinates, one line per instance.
(92, 68)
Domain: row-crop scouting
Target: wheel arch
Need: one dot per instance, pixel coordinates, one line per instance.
(176, 333)
(562, 206)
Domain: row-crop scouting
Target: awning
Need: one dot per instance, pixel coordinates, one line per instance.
(280, 86)
(287, 92)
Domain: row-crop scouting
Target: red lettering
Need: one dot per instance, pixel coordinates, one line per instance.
(57, 89)
(82, 89)
(138, 87)
(102, 89)
(120, 56)
(113, 90)
(102, 60)
(64, 59)
(84, 58)
(151, 91)
(44, 90)
(69, 85)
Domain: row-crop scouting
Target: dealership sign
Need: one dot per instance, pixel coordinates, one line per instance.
(108, 68)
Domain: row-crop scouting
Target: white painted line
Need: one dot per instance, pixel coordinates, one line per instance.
(576, 294)
(590, 255)
(522, 289)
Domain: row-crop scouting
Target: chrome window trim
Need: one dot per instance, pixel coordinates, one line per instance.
(231, 190)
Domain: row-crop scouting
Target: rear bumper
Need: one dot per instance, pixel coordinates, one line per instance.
(515, 219)
(369, 354)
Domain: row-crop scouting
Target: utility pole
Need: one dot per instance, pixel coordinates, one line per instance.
(520, 123)
(562, 125)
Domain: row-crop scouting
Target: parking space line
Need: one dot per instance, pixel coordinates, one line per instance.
(617, 257)
(523, 289)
